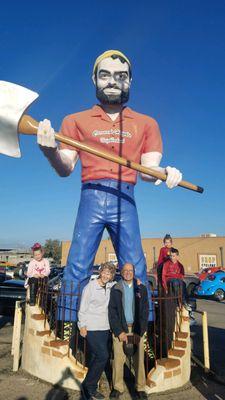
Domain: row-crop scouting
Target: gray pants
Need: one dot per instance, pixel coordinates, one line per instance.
(119, 361)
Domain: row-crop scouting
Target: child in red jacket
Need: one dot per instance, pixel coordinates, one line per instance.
(164, 253)
(172, 277)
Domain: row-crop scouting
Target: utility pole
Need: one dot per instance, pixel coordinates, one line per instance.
(105, 253)
(221, 255)
(154, 257)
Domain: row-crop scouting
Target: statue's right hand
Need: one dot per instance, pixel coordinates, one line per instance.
(46, 134)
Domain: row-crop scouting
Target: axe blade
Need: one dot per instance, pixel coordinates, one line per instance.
(14, 100)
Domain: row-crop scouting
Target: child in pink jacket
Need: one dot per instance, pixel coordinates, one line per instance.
(38, 269)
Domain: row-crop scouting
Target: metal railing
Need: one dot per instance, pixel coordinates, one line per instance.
(167, 321)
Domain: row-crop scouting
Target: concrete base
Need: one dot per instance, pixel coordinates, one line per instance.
(46, 358)
(50, 359)
(174, 371)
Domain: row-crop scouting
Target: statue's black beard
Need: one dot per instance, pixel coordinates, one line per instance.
(122, 98)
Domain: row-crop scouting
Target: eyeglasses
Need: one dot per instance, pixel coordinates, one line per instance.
(120, 76)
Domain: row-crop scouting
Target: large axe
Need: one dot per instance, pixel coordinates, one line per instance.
(14, 101)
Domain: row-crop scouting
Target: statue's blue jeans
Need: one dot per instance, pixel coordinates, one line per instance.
(110, 204)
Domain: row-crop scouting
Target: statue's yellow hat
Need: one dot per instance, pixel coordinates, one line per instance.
(107, 54)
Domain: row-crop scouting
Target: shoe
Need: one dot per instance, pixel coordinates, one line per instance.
(141, 395)
(115, 394)
(90, 396)
(97, 396)
(84, 393)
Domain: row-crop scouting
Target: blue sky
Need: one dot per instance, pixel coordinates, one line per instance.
(178, 56)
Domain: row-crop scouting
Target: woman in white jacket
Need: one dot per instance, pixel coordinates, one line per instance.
(94, 326)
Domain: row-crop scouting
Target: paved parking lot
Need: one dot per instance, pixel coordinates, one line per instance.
(22, 386)
(216, 331)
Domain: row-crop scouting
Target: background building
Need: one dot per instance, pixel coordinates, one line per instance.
(195, 252)
(14, 256)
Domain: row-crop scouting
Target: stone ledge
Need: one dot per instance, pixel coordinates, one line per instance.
(43, 333)
(176, 353)
(45, 350)
(181, 335)
(177, 372)
(79, 374)
(169, 363)
(38, 317)
(56, 343)
(58, 354)
(168, 374)
(180, 343)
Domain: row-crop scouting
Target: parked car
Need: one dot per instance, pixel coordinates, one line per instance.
(191, 281)
(10, 269)
(203, 273)
(188, 280)
(213, 286)
(12, 290)
(20, 271)
(4, 277)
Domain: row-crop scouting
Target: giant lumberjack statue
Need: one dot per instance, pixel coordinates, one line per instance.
(107, 194)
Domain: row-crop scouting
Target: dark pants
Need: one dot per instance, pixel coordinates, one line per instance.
(34, 284)
(98, 346)
(178, 287)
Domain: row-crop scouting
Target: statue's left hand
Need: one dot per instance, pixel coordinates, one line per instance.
(174, 176)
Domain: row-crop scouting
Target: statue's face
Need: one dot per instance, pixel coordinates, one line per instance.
(112, 81)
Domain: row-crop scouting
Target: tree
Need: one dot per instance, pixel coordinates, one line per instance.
(53, 249)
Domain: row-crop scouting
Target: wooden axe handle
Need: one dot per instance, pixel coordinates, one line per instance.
(28, 125)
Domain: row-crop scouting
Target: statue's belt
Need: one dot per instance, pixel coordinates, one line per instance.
(107, 189)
